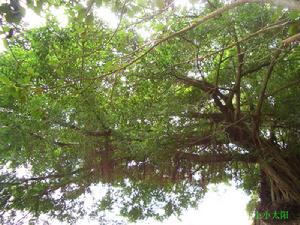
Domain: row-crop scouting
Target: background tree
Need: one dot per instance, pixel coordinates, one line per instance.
(212, 96)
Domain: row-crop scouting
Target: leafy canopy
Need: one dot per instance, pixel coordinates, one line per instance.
(156, 119)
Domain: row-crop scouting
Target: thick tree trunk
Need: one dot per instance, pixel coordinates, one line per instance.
(284, 176)
(280, 174)
(280, 188)
(281, 169)
(265, 190)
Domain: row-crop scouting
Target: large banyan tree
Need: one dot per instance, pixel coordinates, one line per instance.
(212, 95)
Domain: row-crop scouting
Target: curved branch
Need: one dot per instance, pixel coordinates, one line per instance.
(208, 88)
(291, 39)
(263, 90)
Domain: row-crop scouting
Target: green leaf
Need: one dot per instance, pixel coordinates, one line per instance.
(57, 152)
(293, 14)
(294, 29)
(81, 13)
(4, 8)
(5, 80)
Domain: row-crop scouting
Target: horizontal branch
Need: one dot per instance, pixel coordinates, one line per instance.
(217, 158)
(104, 133)
(201, 84)
(96, 133)
(256, 68)
(196, 140)
(208, 88)
(41, 178)
(58, 143)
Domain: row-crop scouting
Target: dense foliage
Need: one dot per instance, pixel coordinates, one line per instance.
(211, 96)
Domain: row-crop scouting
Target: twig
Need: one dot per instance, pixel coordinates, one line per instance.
(263, 30)
(158, 42)
(263, 90)
(289, 84)
(118, 26)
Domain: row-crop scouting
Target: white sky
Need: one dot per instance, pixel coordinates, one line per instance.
(222, 205)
